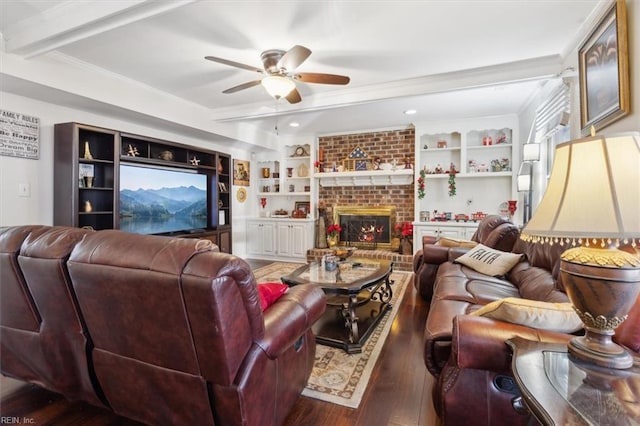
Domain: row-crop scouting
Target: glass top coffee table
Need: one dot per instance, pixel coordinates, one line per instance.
(358, 295)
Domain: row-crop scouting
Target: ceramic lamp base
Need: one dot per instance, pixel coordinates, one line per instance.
(602, 285)
(599, 349)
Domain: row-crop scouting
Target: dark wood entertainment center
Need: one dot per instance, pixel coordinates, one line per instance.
(97, 153)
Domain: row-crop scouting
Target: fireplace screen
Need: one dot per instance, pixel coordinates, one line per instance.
(366, 227)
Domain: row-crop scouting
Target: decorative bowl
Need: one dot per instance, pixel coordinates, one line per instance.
(343, 252)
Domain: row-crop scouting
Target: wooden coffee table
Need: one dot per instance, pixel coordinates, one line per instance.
(358, 295)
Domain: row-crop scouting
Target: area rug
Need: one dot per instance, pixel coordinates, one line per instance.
(338, 377)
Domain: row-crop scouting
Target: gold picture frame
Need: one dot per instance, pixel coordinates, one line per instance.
(603, 61)
(241, 173)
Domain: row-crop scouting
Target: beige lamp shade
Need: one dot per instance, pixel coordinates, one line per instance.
(593, 194)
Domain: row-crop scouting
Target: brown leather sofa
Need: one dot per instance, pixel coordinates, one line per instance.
(493, 231)
(160, 330)
(467, 354)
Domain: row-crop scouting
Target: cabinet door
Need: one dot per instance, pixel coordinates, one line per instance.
(284, 239)
(300, 236)
(268, 237)
(254, 237)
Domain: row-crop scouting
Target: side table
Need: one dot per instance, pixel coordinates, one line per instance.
(560, 391)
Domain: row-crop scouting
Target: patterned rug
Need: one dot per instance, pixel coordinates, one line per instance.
(338, 377)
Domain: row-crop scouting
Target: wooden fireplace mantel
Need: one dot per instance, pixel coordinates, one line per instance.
(366, 178)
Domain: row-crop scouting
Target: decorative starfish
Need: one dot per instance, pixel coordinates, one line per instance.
(195, 161)
(132, 151)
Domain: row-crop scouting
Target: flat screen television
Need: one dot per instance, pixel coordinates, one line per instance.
(160, 200)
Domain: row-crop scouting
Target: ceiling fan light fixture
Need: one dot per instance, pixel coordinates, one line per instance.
(278, 86)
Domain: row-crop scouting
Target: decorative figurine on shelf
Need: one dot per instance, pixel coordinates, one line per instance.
(88, 208)
(87, 151)
(439, 170)
(195, 161)
(407, 163)
(487, 140)
(132, 151)
(220, 167)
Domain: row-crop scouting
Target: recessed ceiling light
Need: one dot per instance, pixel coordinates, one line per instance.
(294, 124)
(410, 111)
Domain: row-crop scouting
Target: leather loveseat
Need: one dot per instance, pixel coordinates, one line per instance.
(467, 354)
(493, 231)
(160, 330)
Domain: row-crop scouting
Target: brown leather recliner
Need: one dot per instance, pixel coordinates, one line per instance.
(43, 340)
(493, 231)
(175, 331)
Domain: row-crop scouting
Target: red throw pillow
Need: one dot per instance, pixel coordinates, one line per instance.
(270, 292)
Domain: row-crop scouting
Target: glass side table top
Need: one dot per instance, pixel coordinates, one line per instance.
(598, 396)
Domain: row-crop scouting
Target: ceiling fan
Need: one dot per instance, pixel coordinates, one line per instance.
(279, 76)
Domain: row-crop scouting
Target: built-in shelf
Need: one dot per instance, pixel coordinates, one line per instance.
(470, 175)
(366, 178)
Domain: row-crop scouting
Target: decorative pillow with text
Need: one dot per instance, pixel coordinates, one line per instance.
(489, 261)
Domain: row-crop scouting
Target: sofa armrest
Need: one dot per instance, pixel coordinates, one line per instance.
(479, 342)
(290, 317)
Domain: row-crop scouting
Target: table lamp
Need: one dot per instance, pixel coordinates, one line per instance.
(592, 206)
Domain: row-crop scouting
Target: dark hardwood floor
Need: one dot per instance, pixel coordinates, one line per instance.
(398, 394)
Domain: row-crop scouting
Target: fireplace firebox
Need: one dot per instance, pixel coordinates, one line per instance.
(366, 227)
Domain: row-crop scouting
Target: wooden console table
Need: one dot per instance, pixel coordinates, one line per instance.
(560, 391)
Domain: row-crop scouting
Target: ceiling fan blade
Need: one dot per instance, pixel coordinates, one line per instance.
(293, 97)
(242, 86)
(319, 78)
(234, 64)
(293, 57)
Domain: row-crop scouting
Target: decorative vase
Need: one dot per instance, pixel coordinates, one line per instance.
(332, 240)
(512, 208)
(406, 246)
(220, 167)
(321, 233)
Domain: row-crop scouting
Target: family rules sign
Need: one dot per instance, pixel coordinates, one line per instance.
(19, 135)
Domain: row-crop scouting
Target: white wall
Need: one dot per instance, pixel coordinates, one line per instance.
(38, 174)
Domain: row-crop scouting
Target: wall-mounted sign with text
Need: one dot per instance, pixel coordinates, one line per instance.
(19, 135)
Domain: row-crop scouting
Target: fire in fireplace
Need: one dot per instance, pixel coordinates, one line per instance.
(366, 227)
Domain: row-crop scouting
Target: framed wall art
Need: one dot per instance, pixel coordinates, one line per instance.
(305, 206)
(604, 71)
(241, 173)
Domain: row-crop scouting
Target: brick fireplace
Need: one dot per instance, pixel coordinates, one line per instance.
(387, 145)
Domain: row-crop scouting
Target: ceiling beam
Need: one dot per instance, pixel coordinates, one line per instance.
(72, 21)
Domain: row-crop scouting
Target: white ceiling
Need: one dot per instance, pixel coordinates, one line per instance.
(446, 59)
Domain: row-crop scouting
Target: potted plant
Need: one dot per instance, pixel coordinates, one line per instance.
(333, 233)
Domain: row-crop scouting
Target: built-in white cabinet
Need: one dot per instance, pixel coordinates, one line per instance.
(261, 238)
(281, 239)
(294, 238)
(485, 155)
